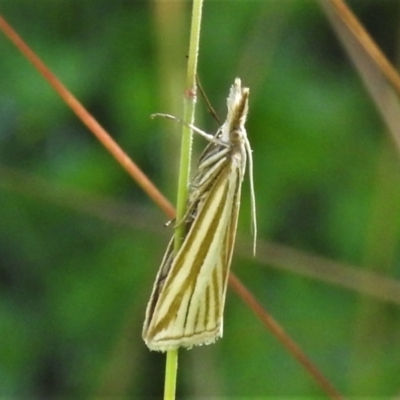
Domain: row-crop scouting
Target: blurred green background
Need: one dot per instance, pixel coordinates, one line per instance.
(80, 243)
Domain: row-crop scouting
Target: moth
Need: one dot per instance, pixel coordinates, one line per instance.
(187, 302)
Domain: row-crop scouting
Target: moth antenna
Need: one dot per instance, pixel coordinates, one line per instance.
(208, 103)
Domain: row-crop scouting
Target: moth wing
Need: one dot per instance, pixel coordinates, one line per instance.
(187, 309)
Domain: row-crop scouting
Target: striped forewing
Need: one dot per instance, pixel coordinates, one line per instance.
(187, 302)
(189, 306)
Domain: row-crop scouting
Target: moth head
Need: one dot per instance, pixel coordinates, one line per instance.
(238, 105)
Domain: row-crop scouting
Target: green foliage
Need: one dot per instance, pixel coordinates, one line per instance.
(75, 274)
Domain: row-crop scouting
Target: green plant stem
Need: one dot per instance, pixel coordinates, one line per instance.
(171, 367)
(188, 117)
(189, 104)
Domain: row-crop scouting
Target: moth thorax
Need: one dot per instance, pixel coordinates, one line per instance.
(236, 135)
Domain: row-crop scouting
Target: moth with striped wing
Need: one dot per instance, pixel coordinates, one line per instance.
(187, 302)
